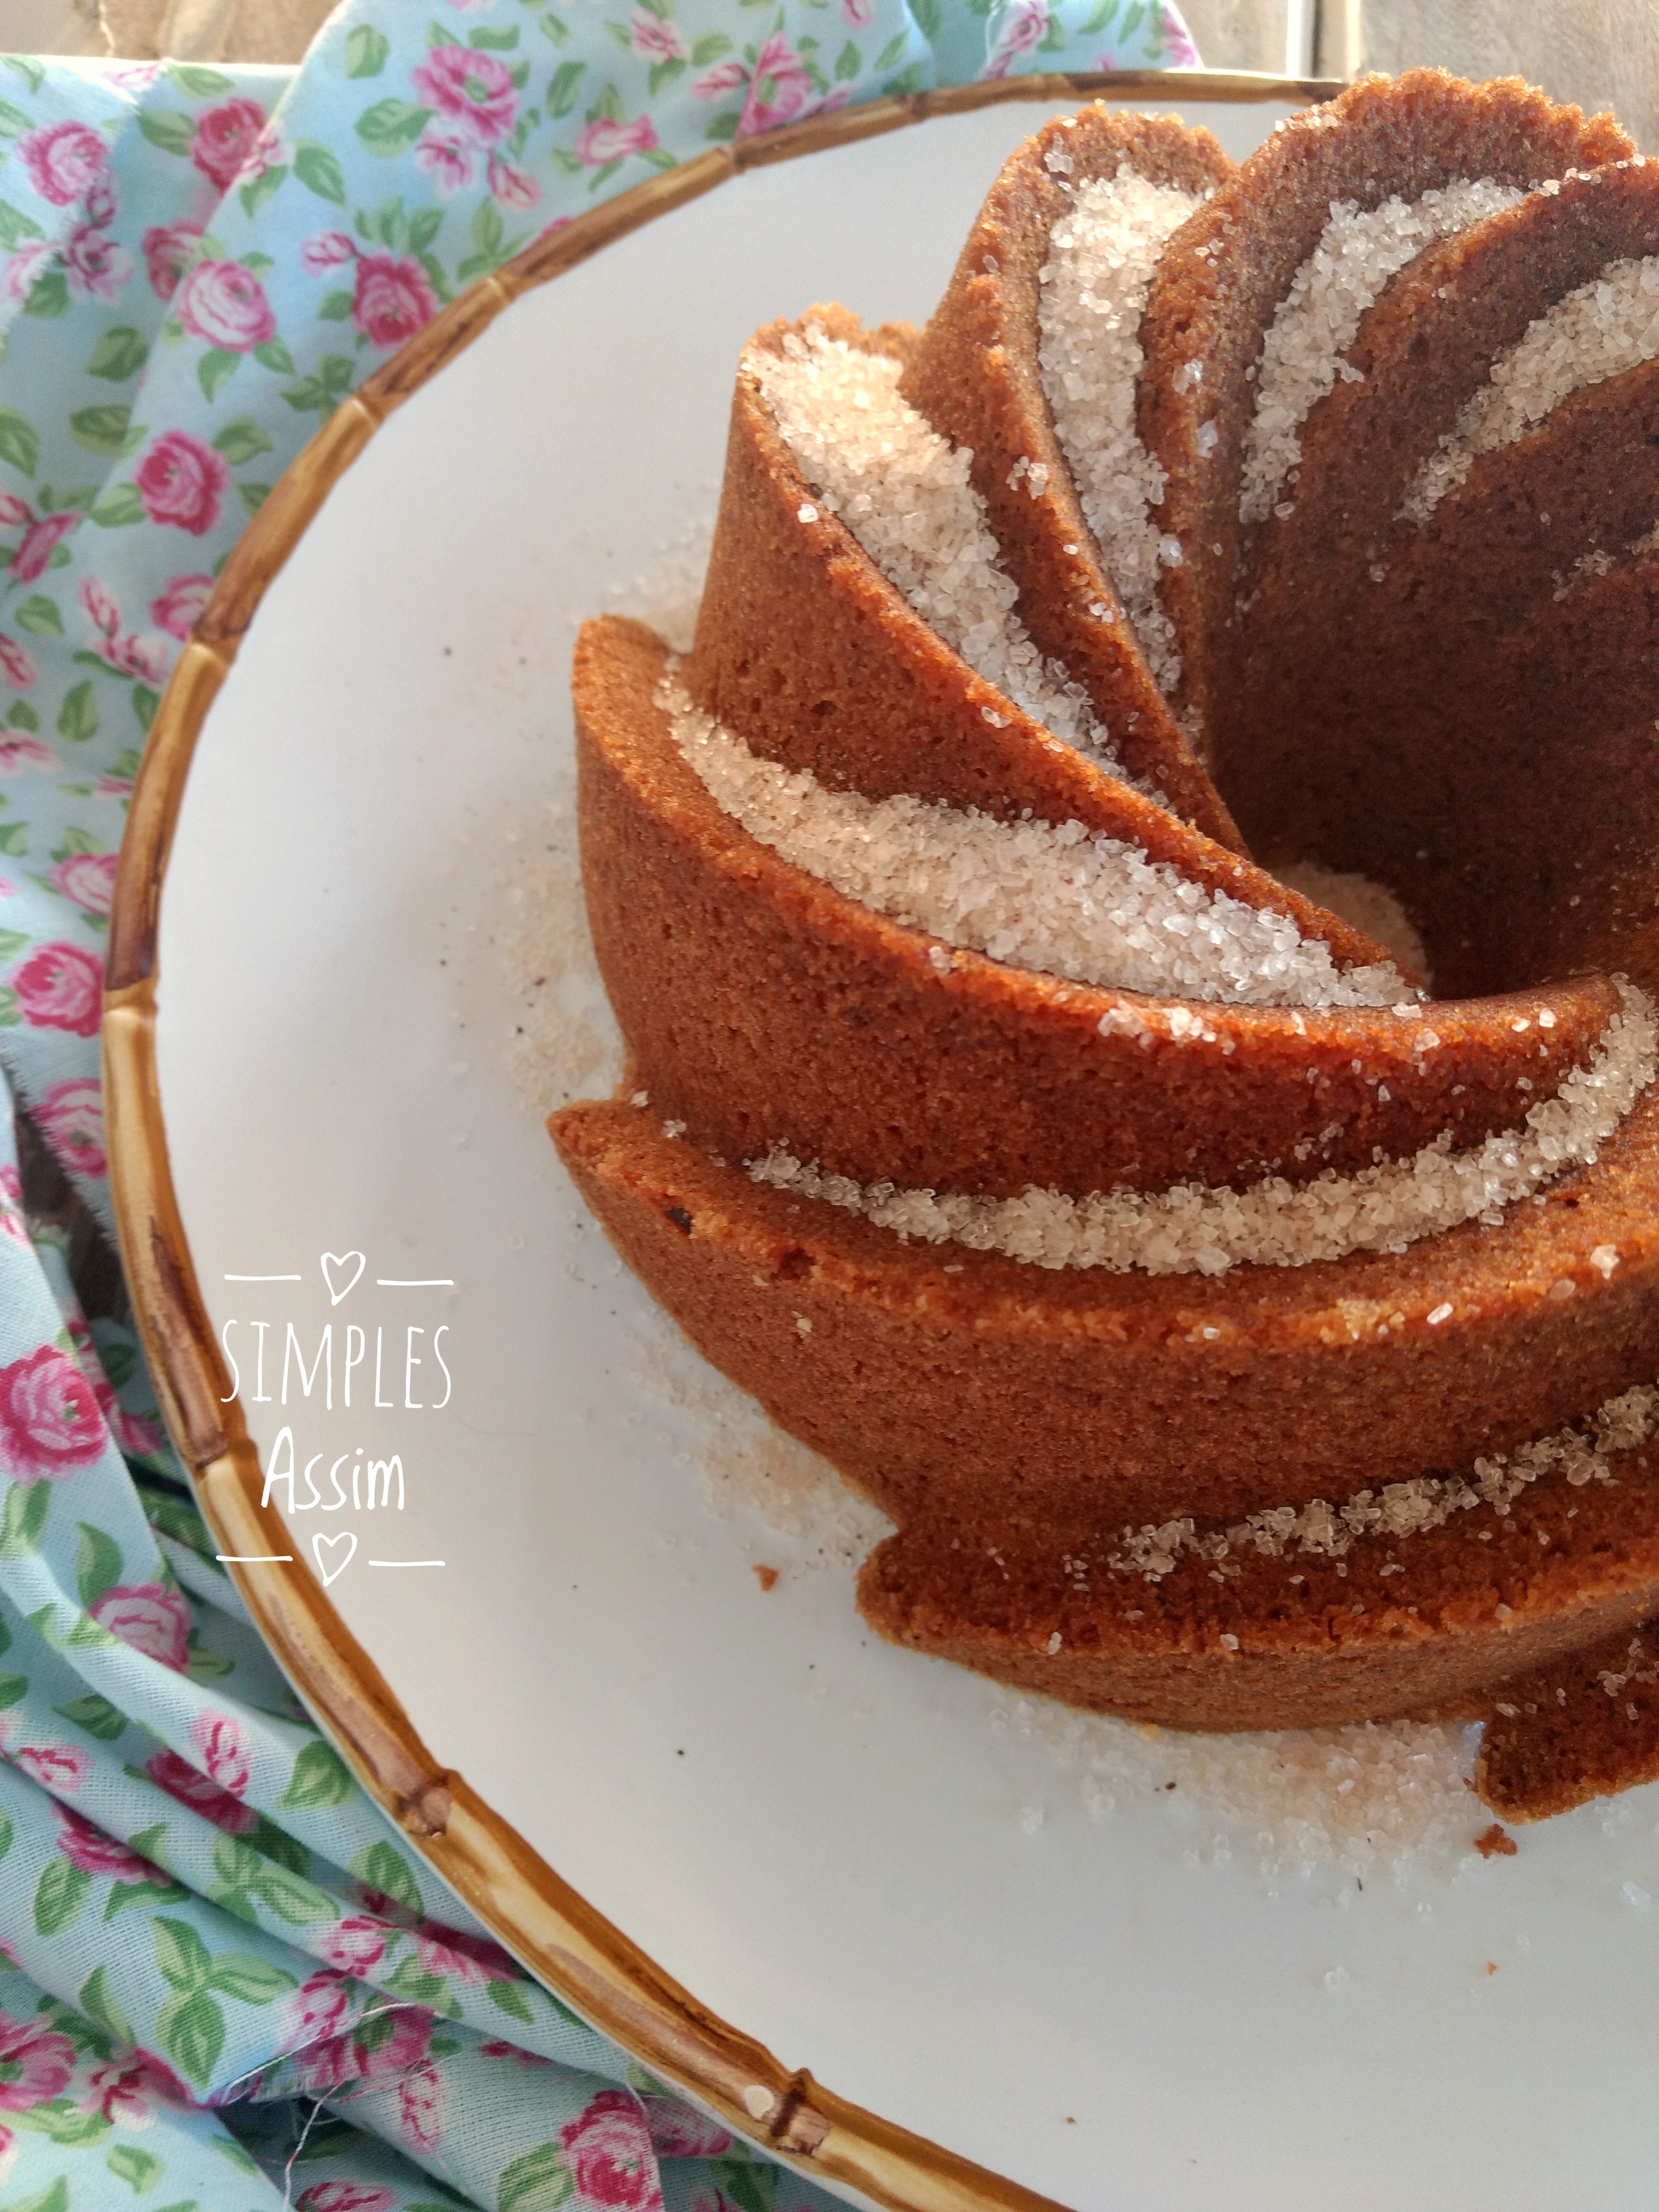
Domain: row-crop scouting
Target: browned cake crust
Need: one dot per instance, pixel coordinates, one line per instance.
(1464, 709)
(952, 1382)
(1484, 726)
(760, 1005)
(973, 373)
(1583, 1727)
(1217, 289)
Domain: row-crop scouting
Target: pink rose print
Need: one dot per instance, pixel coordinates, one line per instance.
(224, 137)
(420, 2108)
(178, 608)
(657, 40)
(355, 1945)
(612, 2154)
(65, 161)
(317, 2009)
(677, 2132)
(181, 482)
(132, 655)
(393, 299)
(94, 1852)
(17, 663)
(12, 1223)
(224, 1751)
(473, 92)
(168, 251)
(35, 2064)
(22, 268)
(269, 151)
(779, 90)
(60, 987)
(40, 540)
(224, 304)
(151, 1619)
(180, 1780)
(462, 1957)
(603, 141)
(97, 267)
(89, 879)
(348, 2196)
(512, 187)
(70, 1116)
(50, 1424)
(351, 2058)
(1022, 29)
(857, 12)
(448, 161)
(1179, 52)
(18, 753)
(59, 1768)
(725, 76)
(328, 249)
(101, 204)
(121, 2090)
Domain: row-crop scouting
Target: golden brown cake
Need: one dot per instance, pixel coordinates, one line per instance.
(1134, 926)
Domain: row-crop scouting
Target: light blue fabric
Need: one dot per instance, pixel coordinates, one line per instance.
(227, 1982)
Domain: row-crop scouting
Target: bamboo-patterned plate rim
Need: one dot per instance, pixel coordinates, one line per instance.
(584, 1959)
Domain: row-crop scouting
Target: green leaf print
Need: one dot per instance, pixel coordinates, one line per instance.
(275, 355)
(48, 294)
(20, 442)
(15, 841)
(254, 194)
(101, 429)
(78, 718)
(240, 440)
(191, 2030)
(750, 2187)
(253, 495)
(116, 510)
(557, 30)
(97, 1556)
(59, 1894)
(20, 715)
(144, 703)
(40, 617)
(319, 1778)
(215, 369)
(55, 2199)
(14, 1688)
(170, 131)
(537, 2182)
(23, 1517)
(509, 1997)
(96, 1715)
(140, 2169)
(120, 353)
(197, 83)
(319, 171)
(5, 1833)
(253, 1981)
(848, 60)
(182, 1955)
(334, 307)
(16, 226)
(391, 126)
(64, 2123)
(382, 1867)
(366, 50)
(562, 93)
(100, 2008)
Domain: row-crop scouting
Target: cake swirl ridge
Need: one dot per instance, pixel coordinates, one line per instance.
(1021, 1122)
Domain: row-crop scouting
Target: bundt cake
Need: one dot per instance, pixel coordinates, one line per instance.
(1136, 926)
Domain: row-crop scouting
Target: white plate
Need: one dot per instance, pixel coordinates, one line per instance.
(823, 1838)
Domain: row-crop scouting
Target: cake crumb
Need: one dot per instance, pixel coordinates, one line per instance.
(1496, 1842)
(768, 1579)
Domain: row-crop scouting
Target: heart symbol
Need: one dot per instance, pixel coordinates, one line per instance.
(321, 1544)
(341, 1260)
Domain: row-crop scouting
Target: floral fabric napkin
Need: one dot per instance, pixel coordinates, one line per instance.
(225, 1981)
